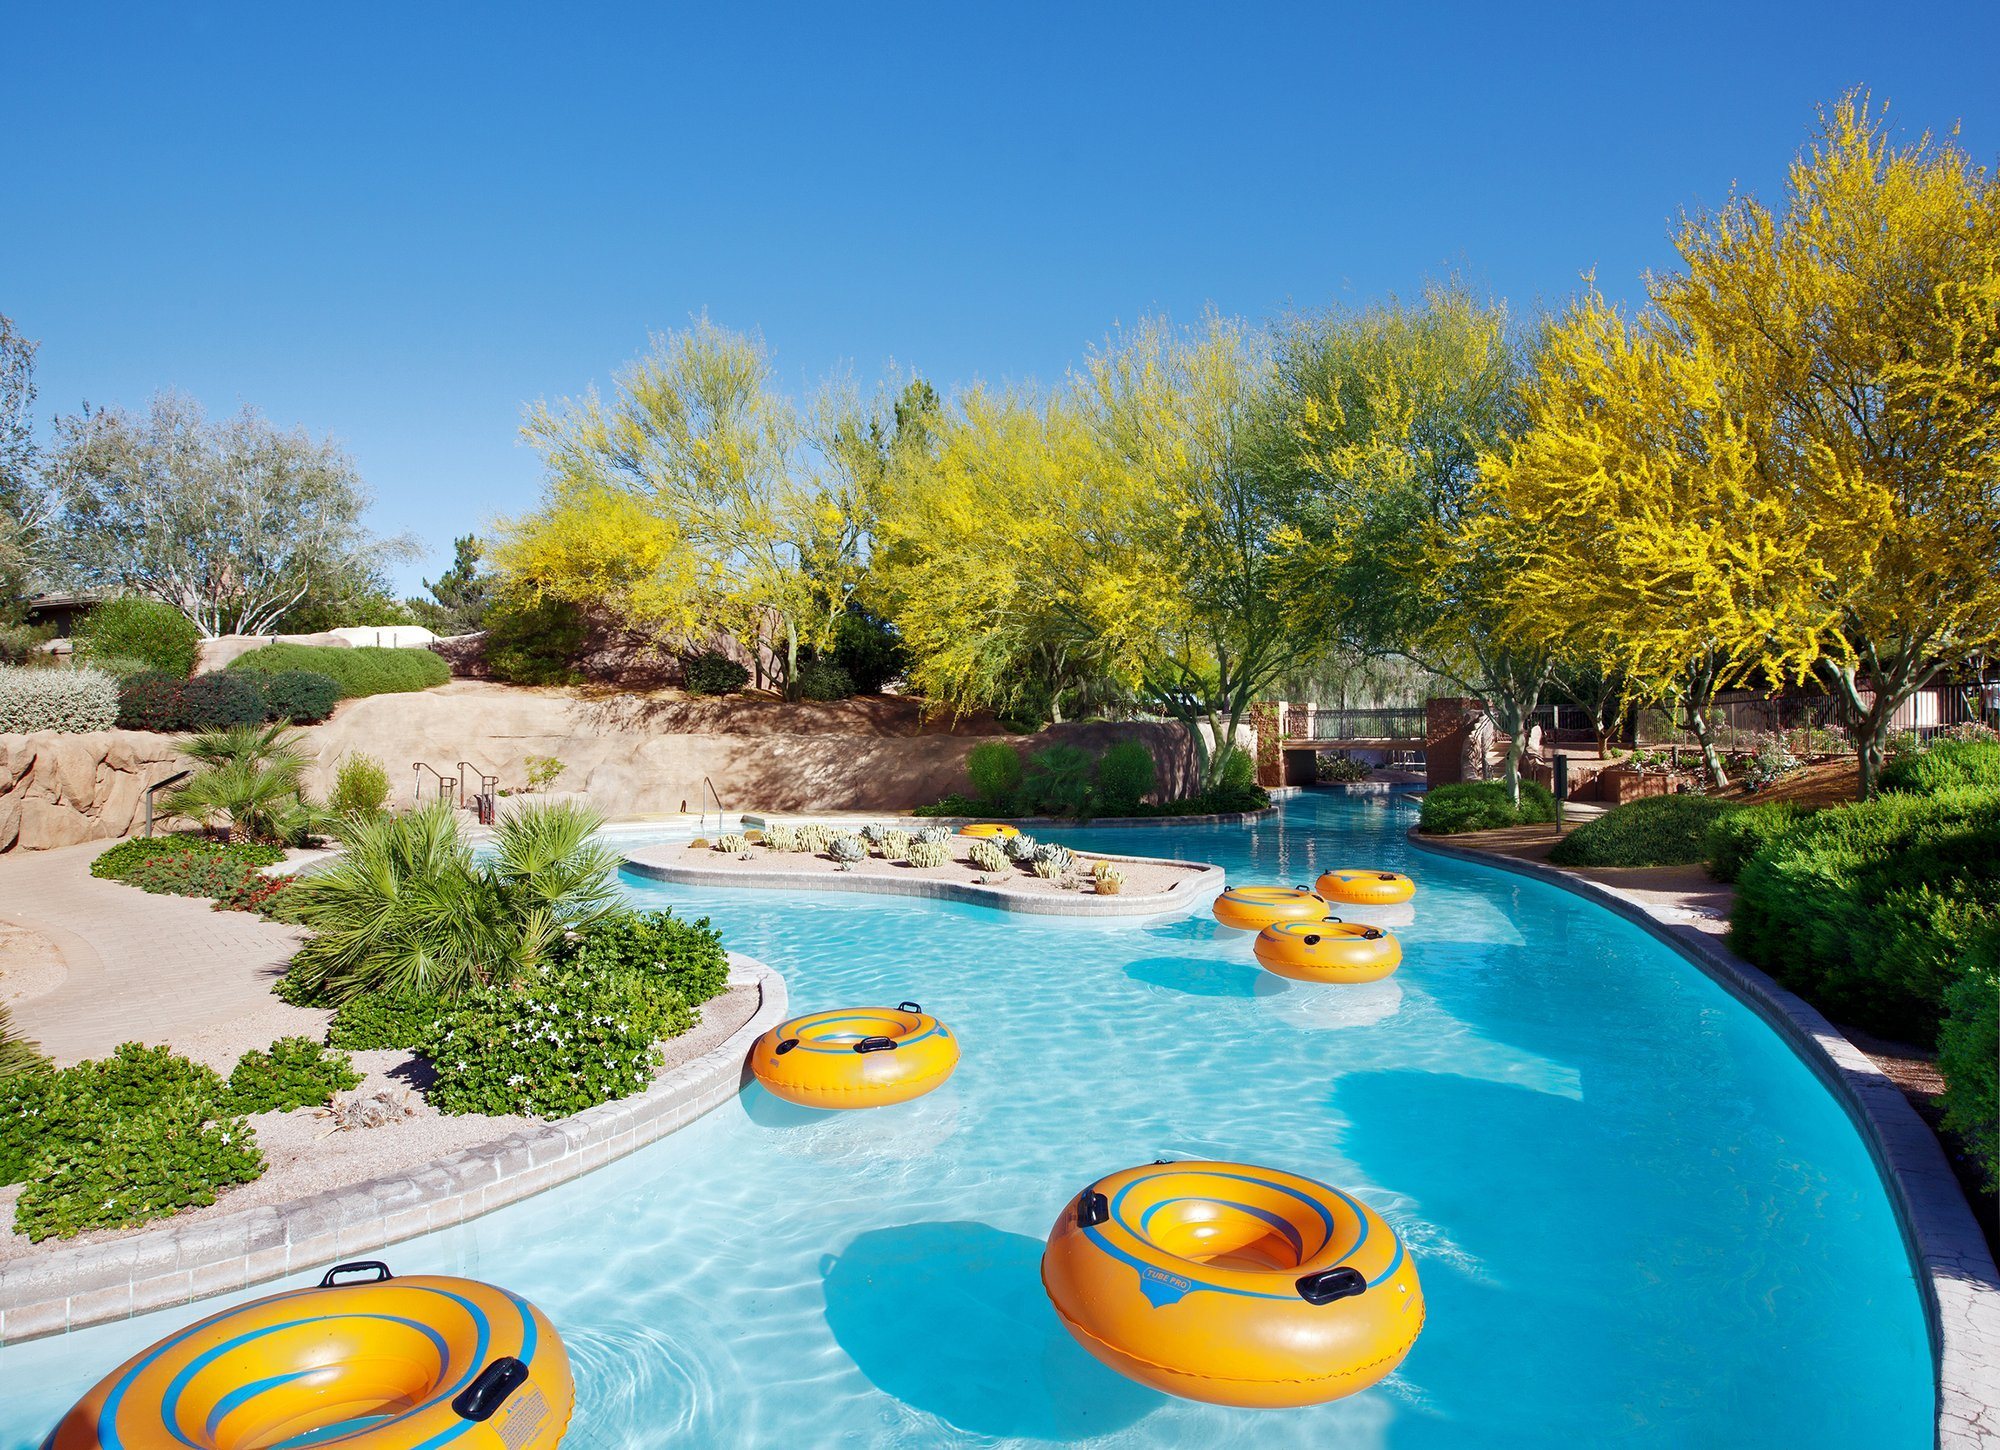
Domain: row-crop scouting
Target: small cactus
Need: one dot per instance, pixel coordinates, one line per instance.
(731, 844)
(927, 854)
(815, 838)
(781, 838)
(895, 845)
(846, 850)
(1050, 870)
(1110, 880)
(987, 856)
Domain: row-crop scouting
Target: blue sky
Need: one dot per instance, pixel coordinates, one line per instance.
(396, 224)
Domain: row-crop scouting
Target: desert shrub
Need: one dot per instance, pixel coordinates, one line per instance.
(135, 628)
(304, 697)
(152, 701)
(386, 1020)
(847, 850)
(667, 952)
(535, 641)
(987, 856)
(1735, 836)
(926, 855)
(1869, 909)
(21, 644)
(1483, 805)
(296, 1073)
(115, 1142)
(366, 670)
(407, 908)
(217, 701)
(1057, 781)
(822, 680)
(713, 673)
(1945, 765)
(360, 787)
(69, 700)
(1969, 1056)
(543, 771)
(995, 769)
(1669, 830)
(1124, 774)
(1235, 787)
(566, 1038)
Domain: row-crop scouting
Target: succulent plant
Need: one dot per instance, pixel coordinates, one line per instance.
(730, 843)
(932, 835)
(847, 849)
(988, 856)
(1019, 848)
(1061, 857)
(895, 845)
(781, 838)
(927, 854)
(814, 838)
(873, 833)
(1049, 869)
(1110, 880)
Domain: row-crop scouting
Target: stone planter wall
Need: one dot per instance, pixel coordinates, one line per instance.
(58, 789)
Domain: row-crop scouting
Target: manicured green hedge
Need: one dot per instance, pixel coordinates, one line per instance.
(367, 670)
(151, 700)
(1969, 1056)
(1870, 910)
(1947, 765)
(1735, 836)
(1483, 805)
(1668, 830)
(133, 628)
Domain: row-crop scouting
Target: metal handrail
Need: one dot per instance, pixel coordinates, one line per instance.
(711, 794)
(154, 789)
(443, 781)
(485, 801)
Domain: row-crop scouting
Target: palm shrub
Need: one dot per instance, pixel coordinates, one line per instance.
(249, 782)
(17, 1053)
(1058, 781)
(407, 909)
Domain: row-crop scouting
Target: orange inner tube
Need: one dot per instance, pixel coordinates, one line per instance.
(855, 1057)
(1366, 888)
(1328, 951)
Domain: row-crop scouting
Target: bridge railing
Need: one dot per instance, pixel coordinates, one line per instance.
(1390, 722)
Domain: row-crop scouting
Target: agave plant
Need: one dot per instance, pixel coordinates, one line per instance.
(249, 783)
(408, 908)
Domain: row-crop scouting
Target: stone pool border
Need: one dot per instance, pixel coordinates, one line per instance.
(1962, 1287)
(84, 1284)
(1205, 887)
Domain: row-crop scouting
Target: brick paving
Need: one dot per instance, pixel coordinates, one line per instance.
(143, 968)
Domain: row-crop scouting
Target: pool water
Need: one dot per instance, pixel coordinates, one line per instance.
(1638, 1217)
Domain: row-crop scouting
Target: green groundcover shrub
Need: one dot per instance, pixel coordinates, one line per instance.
(117, 1142)
(1669, 830)
(1869, 910)
(378, 1020)
(1483, 805)
(296, 1073)
(1969, 1057)
(684, 958)
(1735, 836)
(367, 670)
(157, 635)
(304, 697)
(1946, 765)
(50, 698)
(713, 673)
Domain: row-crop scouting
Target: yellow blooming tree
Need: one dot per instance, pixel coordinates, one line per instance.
(698, 498)
(1391, 550)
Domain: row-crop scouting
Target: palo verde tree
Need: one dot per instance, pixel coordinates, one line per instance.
(233, 523)
(1388, 413)
(1862, 326)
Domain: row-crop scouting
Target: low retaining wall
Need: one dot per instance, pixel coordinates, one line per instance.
(1203, 887)
(1954, 1266)
(171, 1264)
(59, 789)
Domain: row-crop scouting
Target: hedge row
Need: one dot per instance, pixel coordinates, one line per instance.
(1668, 830)
(367, 670)
(1483, 805)
(157, 701)
(45, 698)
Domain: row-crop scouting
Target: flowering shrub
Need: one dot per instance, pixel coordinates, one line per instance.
(70, 700)
(668, 953)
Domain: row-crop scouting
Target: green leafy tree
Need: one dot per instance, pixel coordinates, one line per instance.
(23, 501)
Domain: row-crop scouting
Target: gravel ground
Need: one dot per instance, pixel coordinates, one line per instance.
(1142, 878)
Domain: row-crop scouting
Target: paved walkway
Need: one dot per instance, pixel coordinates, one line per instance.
(143, 968)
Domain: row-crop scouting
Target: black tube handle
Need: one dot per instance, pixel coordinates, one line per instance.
(1386, 876)
(359, 1266)
(1331, 1284)
(1312, 939)
(1092, 1208)
(787, 1045)
(1372, 934)
(482, 1399)
(908, 1007)
(876, 1044)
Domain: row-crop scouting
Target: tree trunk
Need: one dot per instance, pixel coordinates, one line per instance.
(1894, 683)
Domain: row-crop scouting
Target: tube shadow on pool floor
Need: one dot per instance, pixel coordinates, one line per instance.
(950, 1318)
(1198, 976)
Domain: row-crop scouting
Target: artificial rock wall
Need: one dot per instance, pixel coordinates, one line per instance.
(59, 790)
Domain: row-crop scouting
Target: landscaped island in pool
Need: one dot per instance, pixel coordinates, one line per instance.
(1639, 1219)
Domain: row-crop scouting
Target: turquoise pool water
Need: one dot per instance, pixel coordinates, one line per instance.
(1638, 1217)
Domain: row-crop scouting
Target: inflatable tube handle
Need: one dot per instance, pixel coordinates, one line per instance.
(1092, 1208)
(1331, 1284)
(360, 1266)
(908, 1007)
(482, 1399)
(787, 1045)
(1312, 939)
(1372, 934)
(876, 1044)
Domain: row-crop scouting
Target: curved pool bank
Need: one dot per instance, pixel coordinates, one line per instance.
(1638, 1216)
(73, 1286)
(1961, 1283)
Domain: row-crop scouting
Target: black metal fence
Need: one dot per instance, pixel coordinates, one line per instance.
(1391, 722)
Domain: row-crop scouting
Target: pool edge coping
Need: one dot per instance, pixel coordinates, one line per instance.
(1941, 1236)
(1208, 883)
(81, 1285)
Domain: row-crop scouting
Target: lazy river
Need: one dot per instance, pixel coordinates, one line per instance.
(1639, 1218)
